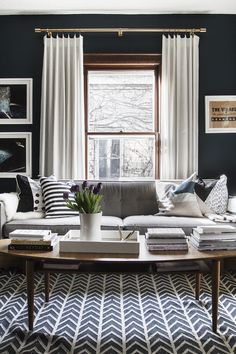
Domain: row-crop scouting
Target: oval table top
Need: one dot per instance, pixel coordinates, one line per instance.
(144, 255)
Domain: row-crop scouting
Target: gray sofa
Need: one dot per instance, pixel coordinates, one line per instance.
(127, 204)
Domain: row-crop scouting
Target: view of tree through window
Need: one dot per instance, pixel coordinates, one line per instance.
(121, 157)
(121, 100)
(121, 136)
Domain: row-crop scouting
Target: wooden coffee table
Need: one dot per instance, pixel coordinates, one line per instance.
(34, 261)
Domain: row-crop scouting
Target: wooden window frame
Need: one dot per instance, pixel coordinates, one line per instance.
(118, 61)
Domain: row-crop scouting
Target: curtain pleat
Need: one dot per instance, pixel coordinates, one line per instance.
(179, 107)
(62, 109)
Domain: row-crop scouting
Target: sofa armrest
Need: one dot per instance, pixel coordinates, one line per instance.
(3, 218)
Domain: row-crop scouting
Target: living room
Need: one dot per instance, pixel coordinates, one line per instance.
(22, 58)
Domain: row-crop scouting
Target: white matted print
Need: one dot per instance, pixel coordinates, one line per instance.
(15, 154)
(220, 114)
(16, 101)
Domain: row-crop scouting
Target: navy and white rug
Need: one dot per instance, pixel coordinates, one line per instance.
(117, 313)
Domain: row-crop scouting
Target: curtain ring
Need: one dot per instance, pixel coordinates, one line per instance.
(49, 34)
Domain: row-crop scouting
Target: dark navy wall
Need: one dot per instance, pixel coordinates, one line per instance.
(21, 53)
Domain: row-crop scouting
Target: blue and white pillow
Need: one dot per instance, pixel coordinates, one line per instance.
(181, 200)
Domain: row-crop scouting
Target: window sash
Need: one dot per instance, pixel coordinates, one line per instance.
(123, 98)
(111, 155)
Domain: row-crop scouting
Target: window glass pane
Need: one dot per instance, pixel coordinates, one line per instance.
(114, 157)
(121, 100)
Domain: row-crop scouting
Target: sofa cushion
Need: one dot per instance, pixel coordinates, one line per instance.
(59, 225)
(138, 198)
(111, 202)
(111, 192)
(142, 222)
(28, 215)
(128, 197)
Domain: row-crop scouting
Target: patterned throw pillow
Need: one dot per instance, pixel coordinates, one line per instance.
(55, 204)
(30, 194)
(182, 200)
(212, 196)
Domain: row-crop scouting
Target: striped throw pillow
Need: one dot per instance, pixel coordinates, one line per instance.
(55, 204)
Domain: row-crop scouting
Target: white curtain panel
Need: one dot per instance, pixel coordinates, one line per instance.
(62, 109)
(179, 106)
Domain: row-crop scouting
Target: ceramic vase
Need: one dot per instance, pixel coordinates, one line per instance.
(90, 226)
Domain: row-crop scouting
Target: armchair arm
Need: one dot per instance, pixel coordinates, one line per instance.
(3, 218)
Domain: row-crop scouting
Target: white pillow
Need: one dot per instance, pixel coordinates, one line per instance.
(10, 201)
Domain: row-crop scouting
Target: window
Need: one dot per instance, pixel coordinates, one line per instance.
(121, 116)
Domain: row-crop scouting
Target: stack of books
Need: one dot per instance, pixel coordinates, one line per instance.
(166, 239)
(215, 237)
(32, 240)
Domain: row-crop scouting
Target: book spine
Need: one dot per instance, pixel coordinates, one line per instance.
(26, 237)
(167, 236)
(29, 234)
(167, 248)
(166, 242)
(31, 242)
(28, 247)
(32, 231)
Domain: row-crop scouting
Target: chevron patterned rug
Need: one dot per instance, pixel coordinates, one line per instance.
(117, 313)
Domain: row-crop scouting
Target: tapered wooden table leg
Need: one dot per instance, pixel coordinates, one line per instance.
(30, 292)
(197, 285)
(215, 292)
(46, 285)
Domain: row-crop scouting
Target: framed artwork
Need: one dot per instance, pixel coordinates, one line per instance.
(220, 114)
(16, 101)
(15, 154)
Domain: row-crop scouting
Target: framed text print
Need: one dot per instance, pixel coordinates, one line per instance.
(15, 154)
(15, 101)
(220, 114)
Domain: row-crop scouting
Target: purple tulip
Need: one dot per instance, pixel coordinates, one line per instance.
(91, 188)
(99, 187)
(95, 190)
(66, 195)
(74, 188)
(84, 185)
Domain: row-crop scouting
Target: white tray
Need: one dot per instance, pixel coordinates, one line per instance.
(109, 243)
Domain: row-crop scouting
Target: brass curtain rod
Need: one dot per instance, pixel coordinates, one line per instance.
(120, 31)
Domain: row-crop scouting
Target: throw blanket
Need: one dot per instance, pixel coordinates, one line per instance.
(222, 217)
